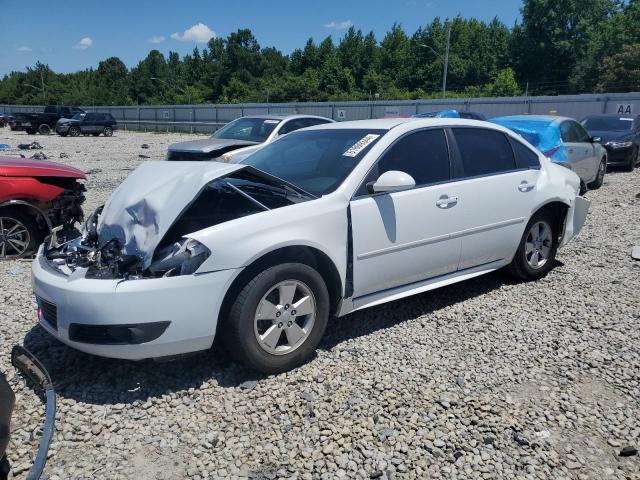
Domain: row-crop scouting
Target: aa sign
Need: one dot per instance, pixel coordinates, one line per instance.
(624, 109)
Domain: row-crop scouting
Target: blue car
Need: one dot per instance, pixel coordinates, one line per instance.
(450, 114)
(564, 141)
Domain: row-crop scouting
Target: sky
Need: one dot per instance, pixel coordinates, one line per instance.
(71, 36)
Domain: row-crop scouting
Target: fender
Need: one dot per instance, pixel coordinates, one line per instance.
(37, 210)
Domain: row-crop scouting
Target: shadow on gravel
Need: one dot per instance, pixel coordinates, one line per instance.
(104, 381)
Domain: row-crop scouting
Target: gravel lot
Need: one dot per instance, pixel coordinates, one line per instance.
(485, 379)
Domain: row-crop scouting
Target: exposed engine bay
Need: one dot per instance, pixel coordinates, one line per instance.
(143, 244)
(65, 209)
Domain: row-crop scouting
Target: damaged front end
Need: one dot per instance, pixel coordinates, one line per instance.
(85, 255)
(141, 231)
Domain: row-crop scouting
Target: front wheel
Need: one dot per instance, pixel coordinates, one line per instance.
(108, 131)
(44, 129)
(602, 169)
(18, 234)
(537, 250)
(633, 159)
(74, 132)
(278, 318)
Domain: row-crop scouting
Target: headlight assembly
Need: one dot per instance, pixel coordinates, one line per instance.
(615, 145)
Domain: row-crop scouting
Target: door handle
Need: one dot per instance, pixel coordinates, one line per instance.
(446, 202)
(526, 187)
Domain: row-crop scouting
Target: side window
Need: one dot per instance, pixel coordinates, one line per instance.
(90, 117)
(292, 126)
(424, 155)
(567, 132)
(66, 111)
(525, 157)
(579, 132)
(483, 152)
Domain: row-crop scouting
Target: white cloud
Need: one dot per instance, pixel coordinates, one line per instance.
(199, 33)
(83, 44)
(339, 25)
(24, 49)
(156, 39)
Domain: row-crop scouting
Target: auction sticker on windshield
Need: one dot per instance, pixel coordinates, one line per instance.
(360, 145)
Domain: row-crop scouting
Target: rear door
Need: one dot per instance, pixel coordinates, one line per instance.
(579, 154)
(495, 193)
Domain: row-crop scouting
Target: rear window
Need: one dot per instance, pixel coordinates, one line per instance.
(483, 152)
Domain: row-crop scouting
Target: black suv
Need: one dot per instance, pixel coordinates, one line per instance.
(87, 124)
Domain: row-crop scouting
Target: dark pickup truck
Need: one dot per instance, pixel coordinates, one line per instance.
(42, 122)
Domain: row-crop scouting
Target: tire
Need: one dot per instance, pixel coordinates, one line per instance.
(31, 131)
(108, 131)
(523, 263)
(631, 164)
(16, 228)
(74, 131)
(283, 338)
(602, 169)
(44, 129)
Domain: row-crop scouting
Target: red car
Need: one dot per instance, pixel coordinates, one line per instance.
(35, 197)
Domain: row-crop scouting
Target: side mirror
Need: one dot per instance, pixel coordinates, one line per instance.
(392, 181)
(596, 139)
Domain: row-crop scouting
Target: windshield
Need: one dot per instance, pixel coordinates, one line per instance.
(78, 116)
(247, 128)
(316, 161)
(615, 124)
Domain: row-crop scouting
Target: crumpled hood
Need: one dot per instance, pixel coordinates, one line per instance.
(208, 145)
(142, 209)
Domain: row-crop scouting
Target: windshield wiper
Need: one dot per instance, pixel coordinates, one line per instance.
(284, 183)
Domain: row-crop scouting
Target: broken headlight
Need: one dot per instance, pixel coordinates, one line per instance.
(181, 258)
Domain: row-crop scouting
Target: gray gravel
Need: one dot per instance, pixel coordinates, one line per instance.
(485, 379)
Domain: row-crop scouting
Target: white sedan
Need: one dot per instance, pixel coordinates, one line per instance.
(324, 221)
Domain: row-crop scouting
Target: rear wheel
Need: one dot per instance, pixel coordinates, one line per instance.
(278, 318)
(74, 132)
(18, 234)
(44, 129)
(602, 169)
(537, 250)
(108, 131)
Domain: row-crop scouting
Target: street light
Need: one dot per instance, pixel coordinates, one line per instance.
(444, 59)
(175, 87)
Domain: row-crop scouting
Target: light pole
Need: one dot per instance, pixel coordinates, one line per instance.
(445, 60)
(175, 87)
(44, 93)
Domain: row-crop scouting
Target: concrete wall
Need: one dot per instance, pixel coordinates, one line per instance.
(207, 118)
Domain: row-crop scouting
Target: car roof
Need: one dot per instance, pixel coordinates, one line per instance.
(611, 115)
(389, 123)
(284, 116)
(541, 118)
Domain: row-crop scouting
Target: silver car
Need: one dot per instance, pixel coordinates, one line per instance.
(565, 142)
(241, 137)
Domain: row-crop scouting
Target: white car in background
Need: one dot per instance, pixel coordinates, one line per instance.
(241, 137)
(324, 221)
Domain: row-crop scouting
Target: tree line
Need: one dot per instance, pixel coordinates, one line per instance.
(559, 46)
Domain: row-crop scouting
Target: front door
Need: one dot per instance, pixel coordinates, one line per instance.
(403, 237)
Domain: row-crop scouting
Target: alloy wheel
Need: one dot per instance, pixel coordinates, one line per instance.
(537, 247)
(14, 237)
(284, 317)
